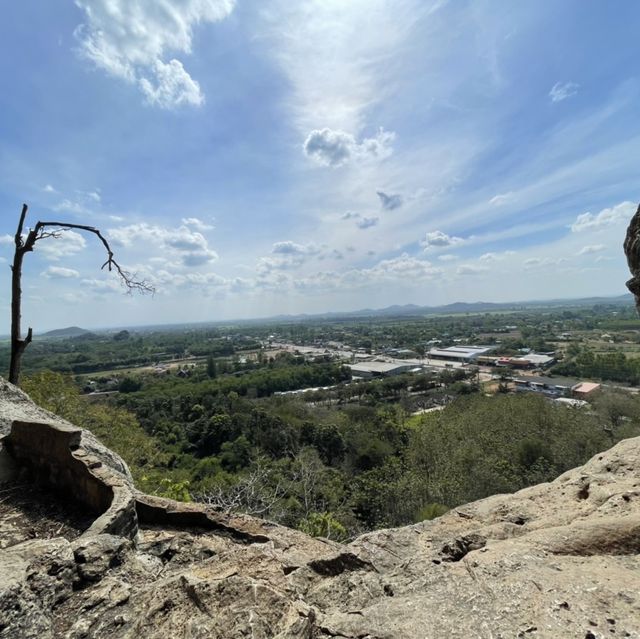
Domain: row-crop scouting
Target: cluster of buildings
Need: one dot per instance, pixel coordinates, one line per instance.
(557, 387)
(480, 355)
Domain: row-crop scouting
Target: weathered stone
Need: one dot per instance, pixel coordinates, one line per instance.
(632, 251)
(95, 554)
(35, 576)
(556, 560)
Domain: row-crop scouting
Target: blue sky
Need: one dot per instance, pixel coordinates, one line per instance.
(252, 158)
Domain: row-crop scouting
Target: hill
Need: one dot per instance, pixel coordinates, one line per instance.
(71, 331)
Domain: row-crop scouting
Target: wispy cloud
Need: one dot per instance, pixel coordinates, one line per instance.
(562, 90)
(335, 66)
(471, 269)
(59, 272)
(367, 222)
(591, 248)
(501, 198)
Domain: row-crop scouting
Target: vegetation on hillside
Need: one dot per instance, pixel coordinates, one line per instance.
(339, 469)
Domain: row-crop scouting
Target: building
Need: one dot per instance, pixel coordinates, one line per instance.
(367, 370)
(531, 360)
(459, 353)
(585, 390)
(402, 353)
(550, 386)
(557, 386)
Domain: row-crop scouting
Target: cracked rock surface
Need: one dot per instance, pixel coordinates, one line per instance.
(558, 560)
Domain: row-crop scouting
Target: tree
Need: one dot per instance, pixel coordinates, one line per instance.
(25, 244)
(211, 367)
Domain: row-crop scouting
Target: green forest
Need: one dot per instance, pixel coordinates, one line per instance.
(334, 469)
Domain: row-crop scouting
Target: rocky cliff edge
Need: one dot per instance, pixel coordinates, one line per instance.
(83, 554)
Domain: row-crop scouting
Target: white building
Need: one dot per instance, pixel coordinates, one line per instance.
(459, 353)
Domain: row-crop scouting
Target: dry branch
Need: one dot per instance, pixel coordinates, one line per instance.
(26, 244)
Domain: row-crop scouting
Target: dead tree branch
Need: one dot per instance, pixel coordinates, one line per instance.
(25, 244)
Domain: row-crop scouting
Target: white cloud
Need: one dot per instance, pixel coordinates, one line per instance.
(292, 248)
(171, 86)
(335, 148)
(130, 39)
(367, 222)
(501, 198)
(59, 272)
(447, 257)
(588, 221)
(471, 269)
(70, 206)
(289, 255)
(495, 257)
(592, 248)
(337, 55)
(389, 201)
(101, 287)
(362, 222)
(563, 90)
(6, 239)
(91, 195)
(191, 247)
(438, 239)
(49, 189)
(403, 268)
(197, 224)
(69, 243)
(542, 262)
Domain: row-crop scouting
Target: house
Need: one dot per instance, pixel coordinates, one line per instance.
(585, 390)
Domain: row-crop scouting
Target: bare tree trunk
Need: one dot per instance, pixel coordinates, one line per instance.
(41, 231)
(17, 343)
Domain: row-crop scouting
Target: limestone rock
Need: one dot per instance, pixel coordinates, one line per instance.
(96, 554)
(558, 560)
(35, 576)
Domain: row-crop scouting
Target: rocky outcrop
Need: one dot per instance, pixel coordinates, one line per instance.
(632, 251)
(556, 560)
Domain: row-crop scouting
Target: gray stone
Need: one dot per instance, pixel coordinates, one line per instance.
(95, 555)
(543, 563)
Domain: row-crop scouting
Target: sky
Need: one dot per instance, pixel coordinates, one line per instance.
(250, 158)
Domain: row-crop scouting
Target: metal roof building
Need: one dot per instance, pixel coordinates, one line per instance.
(379, 369)
(459, 353)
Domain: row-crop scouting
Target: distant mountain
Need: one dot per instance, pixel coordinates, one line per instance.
(404, 310)
(456, 307)
(71, 331)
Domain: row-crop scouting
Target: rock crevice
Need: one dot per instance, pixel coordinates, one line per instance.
(555, 560)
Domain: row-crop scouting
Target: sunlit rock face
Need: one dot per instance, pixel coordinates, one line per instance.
(555, 560)
(632, 251)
